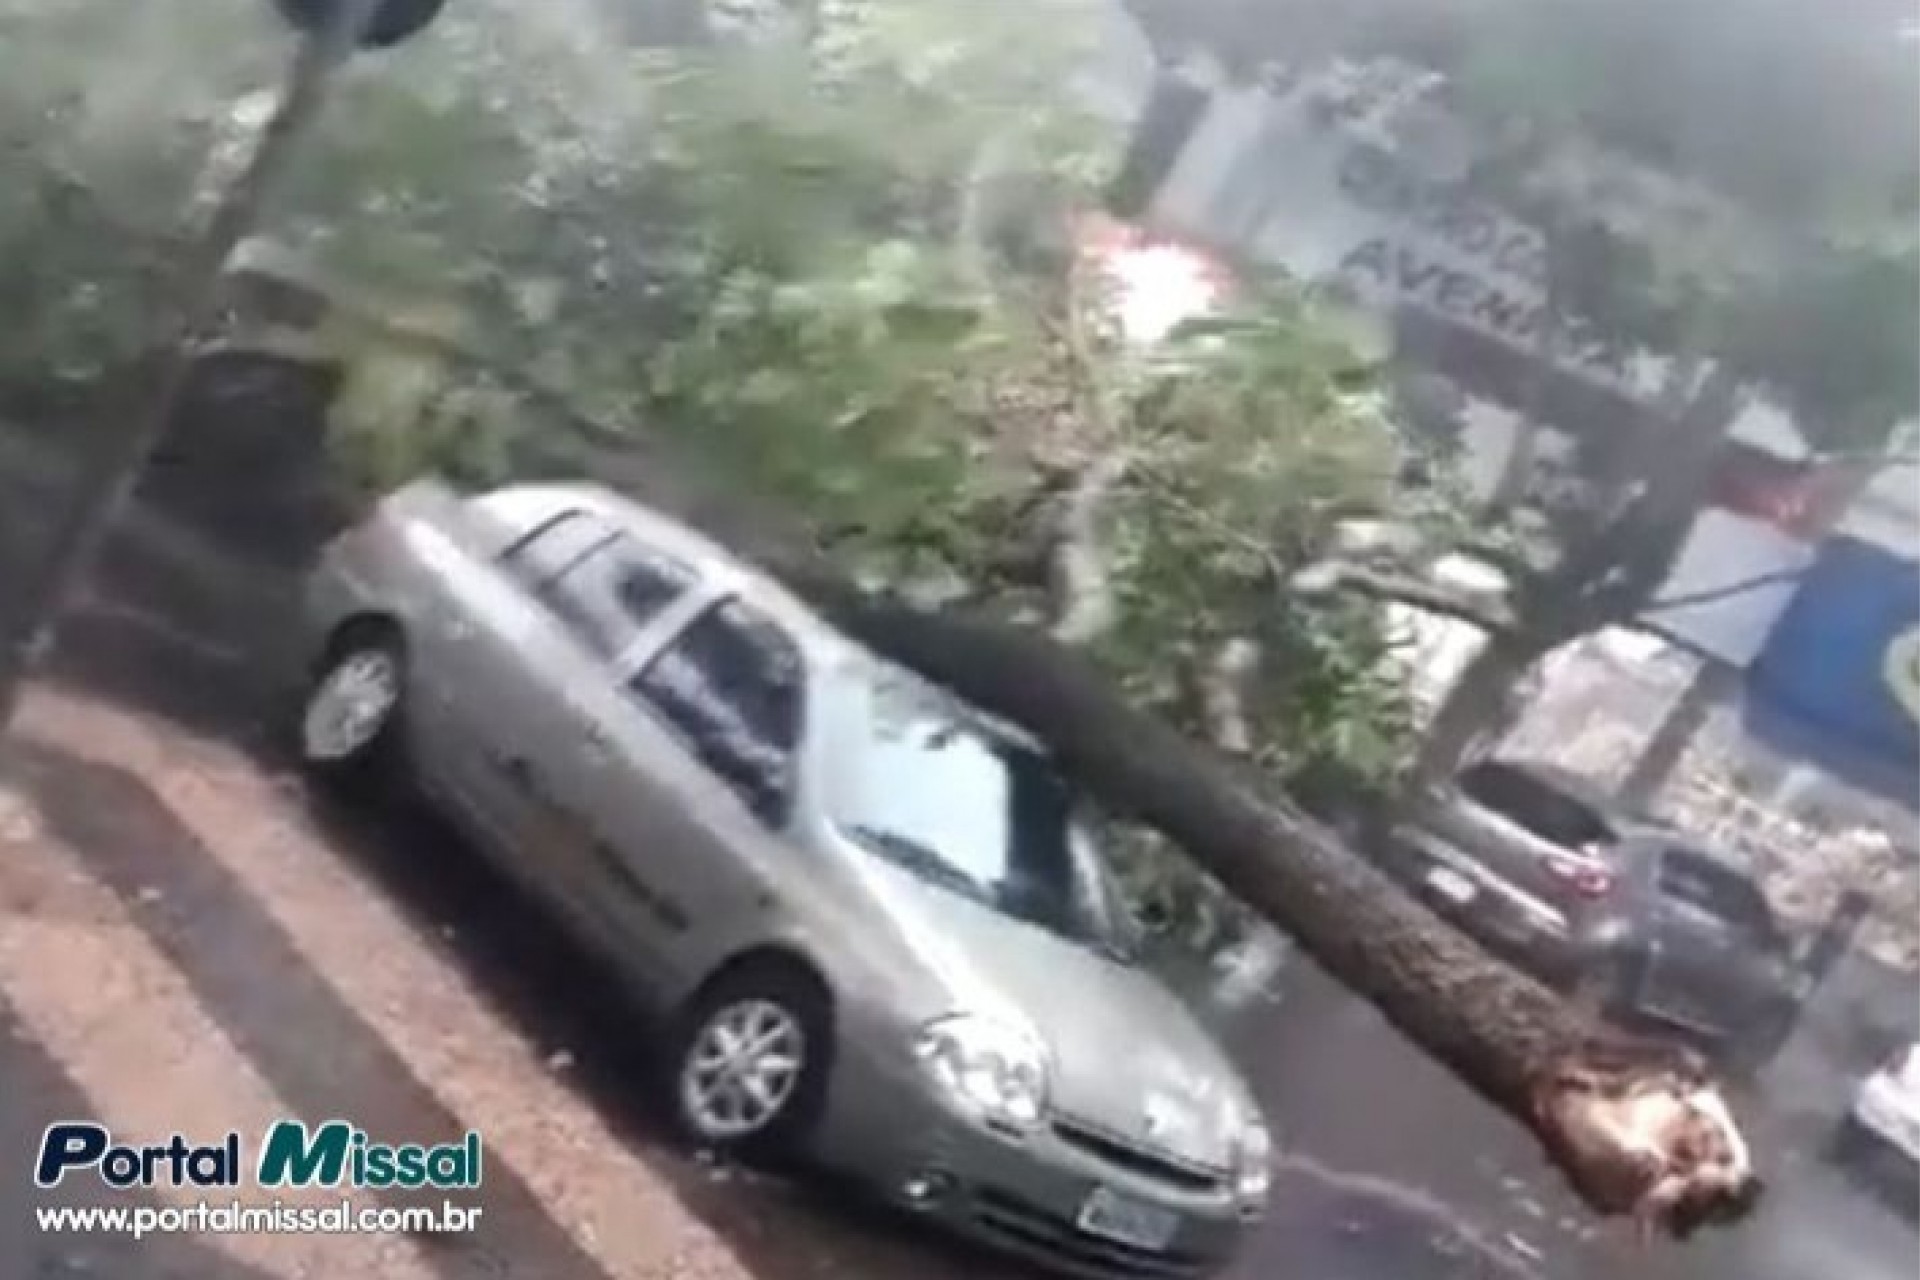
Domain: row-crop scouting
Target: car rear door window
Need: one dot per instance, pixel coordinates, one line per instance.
(1532, 802)
(733, 686)
(1716, 893)
(602, 583)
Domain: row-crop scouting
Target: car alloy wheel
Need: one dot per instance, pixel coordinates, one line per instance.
(351, 705)
(741, 1070)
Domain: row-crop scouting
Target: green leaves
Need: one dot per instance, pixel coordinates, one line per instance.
(1837, 335)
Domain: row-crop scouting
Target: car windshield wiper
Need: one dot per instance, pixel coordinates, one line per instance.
(910, 854)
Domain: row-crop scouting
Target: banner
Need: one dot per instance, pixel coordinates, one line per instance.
(1843, 666)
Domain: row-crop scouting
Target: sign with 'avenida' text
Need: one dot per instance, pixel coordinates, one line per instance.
(290, 1154)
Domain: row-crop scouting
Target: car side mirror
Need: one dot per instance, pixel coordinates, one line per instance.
(765, 795)
(770, 803)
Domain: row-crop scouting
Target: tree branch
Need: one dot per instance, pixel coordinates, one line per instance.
(1223, 695)
(1485, 610)
(1083, 578)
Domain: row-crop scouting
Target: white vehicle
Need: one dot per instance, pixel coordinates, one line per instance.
(1886, 1110)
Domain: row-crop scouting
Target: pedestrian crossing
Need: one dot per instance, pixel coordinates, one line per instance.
(86, 983)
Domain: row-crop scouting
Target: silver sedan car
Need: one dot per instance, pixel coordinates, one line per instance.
(875, 916)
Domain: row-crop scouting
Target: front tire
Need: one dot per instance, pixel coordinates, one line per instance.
(751, 1061)
(350, 717)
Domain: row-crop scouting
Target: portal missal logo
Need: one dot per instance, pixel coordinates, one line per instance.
(334, 1154)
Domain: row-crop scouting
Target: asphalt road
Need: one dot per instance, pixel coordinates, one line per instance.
(1389, 1169)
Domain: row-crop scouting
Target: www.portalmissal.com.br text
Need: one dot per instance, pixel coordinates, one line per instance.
(236, 1218)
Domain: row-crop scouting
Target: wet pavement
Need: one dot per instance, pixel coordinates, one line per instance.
(176, 911)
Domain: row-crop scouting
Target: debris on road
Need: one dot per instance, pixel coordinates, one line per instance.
(1525, 1250)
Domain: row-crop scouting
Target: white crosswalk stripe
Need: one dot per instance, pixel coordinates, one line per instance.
(83, 979)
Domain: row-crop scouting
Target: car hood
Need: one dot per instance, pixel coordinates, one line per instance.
(1129, 1059)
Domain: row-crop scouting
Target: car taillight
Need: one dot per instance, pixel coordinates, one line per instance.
(1581, 876)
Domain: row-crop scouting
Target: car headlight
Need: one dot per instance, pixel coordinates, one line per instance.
(992, 1072)
(1252, 1167)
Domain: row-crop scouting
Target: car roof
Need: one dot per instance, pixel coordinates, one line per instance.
(832, 651)
(530, 505)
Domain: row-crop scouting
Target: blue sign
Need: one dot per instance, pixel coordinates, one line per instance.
(1840, 674)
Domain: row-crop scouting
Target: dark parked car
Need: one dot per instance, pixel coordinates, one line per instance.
(1539, 866)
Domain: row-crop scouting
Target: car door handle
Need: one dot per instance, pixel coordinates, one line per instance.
(596, 744)
(662, 908)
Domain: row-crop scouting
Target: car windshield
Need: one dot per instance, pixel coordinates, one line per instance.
(1537, 803)
(970, 811)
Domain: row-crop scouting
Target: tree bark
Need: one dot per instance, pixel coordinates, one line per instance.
(1663, 751)
(1085, 607)
(1476, 705)
(1173, 111)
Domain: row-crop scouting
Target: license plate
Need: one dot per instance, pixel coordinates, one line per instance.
(1451, 885)
(1114, 1217)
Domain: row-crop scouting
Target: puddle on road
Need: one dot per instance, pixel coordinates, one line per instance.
(1340, 1226)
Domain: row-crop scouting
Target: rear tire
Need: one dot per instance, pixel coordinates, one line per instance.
(350, 716)
(750, 1062)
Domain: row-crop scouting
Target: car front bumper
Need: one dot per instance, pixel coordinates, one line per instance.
(1502, 917)
(1019, 1196)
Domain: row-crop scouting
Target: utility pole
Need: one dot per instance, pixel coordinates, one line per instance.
(331, 31)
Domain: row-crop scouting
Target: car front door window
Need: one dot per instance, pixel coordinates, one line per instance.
(732, 687)
(1718, 896)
